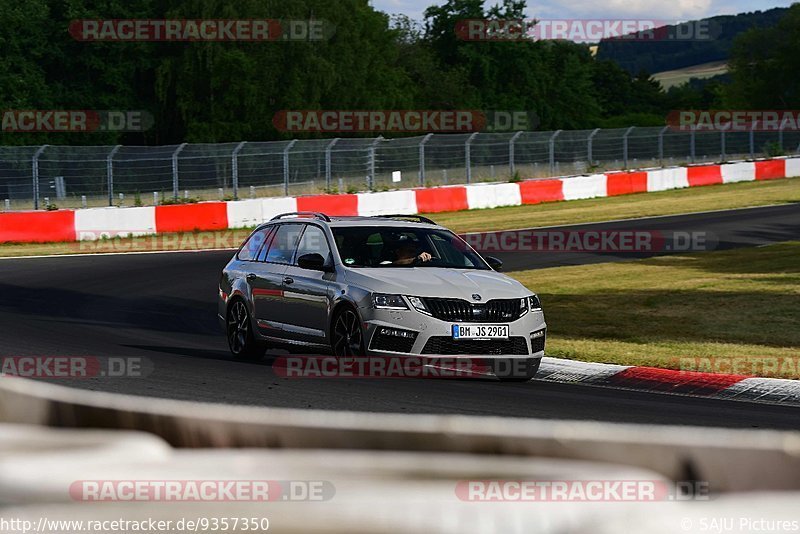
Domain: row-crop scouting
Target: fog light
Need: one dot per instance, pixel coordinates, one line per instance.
(539, 334)
(396, 332)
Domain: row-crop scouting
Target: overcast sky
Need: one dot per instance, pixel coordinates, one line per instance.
(668, 10)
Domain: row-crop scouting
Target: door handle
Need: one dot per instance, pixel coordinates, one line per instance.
(288, 280)
(251, 277)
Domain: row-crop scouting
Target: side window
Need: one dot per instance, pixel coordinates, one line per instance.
(283, 244)
(313, 241)
(250, 249)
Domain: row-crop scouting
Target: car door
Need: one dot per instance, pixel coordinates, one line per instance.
(266, 280)
(306, 293)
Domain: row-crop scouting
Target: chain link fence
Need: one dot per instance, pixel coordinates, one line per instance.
(73, 177)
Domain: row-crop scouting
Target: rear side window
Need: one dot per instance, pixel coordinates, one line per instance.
(284, 243)
(313, 242)
(249, 251)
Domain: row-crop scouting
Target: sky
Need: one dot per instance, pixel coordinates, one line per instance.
(667, 10)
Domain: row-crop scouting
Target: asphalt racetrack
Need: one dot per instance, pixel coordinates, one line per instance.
(162, 308)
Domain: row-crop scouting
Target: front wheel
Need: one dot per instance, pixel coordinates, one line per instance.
(241, 340)
(347, 337)
(516, 370)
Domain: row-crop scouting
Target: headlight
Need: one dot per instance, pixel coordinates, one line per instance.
(419, 305)
(524, 307)
(388, 302)
(536, 304)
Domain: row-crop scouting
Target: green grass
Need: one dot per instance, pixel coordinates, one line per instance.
(716, 197)
(733, 311)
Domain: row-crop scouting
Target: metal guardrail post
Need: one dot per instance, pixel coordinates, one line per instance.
(175, 184)
(235, 169)
(35, 173)
(329, 163)
(468, 156)
(512, 153)
(625, 146)
(371, 175)
(422, 159)
(590, 146)
(286, 166)
(553, 152)
(723, 147)
(661, 145)
(110, 173)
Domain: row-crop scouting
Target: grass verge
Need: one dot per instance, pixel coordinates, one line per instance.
(733, 312)
(717, 197)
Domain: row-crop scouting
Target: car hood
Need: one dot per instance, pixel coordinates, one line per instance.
(435, 282)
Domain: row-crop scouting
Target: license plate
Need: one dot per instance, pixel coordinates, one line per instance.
(482, 331)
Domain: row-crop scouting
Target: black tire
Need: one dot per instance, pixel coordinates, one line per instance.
(347, 336)
(511, 371)
(239, 329)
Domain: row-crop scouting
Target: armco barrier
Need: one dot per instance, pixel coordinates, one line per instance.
(50, 476)
(734, 460)
(95, 223)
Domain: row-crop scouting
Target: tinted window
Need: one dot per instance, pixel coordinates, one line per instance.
(251, 247)
(281, 250)
(397, 247)
(313, 242)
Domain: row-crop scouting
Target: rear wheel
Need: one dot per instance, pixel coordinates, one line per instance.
(517, 370)
(241, 339)
(347, 337)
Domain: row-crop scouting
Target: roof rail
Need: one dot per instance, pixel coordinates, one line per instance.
(414, 218)
(303, 215)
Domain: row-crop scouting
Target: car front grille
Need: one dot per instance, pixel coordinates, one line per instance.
(461, 311)
(447, 346)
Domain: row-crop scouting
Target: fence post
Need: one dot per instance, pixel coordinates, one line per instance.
(590, 146)
(693, 145)
(422, 159)
(110, 173)
(35, 169)
(553, 152)
(752, 142)
(286, 166)
(780, 137)
(468, 156)
(235, 169)
(661, 145)
(371, 175)
(625, 147)
(175, 184)
(512, 153)
(723, 147)
(329, 163)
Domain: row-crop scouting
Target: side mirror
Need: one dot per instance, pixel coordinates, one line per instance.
(494, 263)
(311, 262)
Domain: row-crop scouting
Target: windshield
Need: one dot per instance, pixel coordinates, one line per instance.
(368, 246)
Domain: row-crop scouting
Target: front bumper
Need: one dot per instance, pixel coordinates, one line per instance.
(434, 338)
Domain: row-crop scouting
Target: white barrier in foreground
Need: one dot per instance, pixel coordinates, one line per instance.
(733, 460)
